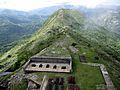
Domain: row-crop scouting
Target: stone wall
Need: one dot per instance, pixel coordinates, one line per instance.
(49, 64)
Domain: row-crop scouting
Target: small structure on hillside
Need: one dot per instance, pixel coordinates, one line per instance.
(56, 83)
(72, 84)
(82, 58)
(49, 64)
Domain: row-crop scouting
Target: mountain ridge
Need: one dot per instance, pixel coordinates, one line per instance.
(59, 32)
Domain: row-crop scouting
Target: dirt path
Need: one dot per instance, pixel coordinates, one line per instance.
(44, 83)
(73, 49)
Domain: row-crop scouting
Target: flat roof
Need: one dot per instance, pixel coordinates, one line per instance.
(51, 59)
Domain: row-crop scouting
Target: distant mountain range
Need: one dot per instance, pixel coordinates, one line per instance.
(17, 24)
(14, 25)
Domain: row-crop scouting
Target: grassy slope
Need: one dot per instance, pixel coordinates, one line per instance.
(55, 31)
(85, 75)
(14, 28)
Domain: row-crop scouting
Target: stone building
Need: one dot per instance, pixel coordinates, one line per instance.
(49, 64)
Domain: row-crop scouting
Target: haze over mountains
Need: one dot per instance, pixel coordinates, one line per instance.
(17, 24)
(14, 25)
(94, 32)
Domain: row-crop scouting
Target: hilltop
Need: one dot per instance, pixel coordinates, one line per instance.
(61, 31)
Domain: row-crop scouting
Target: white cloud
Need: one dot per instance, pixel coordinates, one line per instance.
(26, 5)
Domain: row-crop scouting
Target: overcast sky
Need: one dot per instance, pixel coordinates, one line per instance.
(26, 5)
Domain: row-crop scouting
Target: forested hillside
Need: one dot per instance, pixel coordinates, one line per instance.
(14, 25)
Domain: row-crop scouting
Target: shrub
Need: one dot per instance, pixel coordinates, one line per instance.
(9, 56)
(96, 58)
(74, 44)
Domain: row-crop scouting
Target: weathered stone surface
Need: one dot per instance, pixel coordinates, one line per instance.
(50, 64)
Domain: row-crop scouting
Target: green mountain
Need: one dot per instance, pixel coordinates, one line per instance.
(63, 30)
(15, 25)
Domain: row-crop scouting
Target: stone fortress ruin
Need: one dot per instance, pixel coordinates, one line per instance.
(48, 64)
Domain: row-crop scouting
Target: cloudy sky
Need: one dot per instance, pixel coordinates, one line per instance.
(26, 5)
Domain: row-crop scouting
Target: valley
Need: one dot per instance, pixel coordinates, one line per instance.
(17, 25)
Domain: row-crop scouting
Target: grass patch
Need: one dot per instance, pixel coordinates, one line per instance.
(20, 86)
(87, 77)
